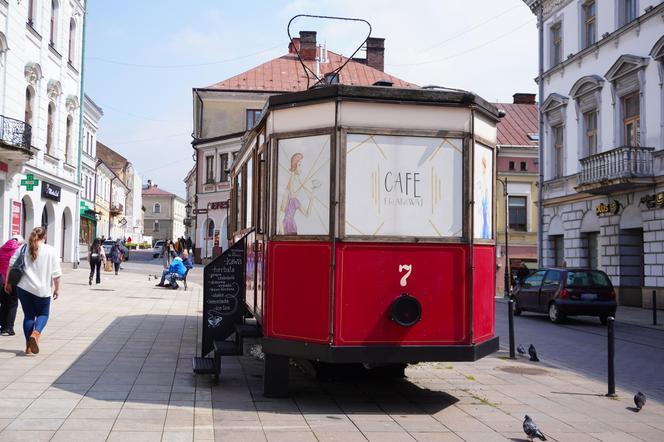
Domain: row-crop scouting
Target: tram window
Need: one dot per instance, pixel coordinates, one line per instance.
(238, 201)
(248, 221)
(403, 186)
(260, 192)
(303, 186)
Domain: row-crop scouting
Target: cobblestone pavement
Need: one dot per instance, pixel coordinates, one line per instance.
(580, 344)
(116, 365)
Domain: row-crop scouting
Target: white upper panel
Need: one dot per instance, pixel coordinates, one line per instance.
(404, 116)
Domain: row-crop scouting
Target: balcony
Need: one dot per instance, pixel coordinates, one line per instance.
(116, 209)
(615, 170)
(15, 139)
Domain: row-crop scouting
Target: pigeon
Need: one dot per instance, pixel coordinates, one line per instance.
(531, 430)
(639, 400)
(521, 350)
(533, 353)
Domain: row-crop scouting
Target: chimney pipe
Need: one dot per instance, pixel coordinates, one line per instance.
(523, 98)
(308, 45)
(376, 53)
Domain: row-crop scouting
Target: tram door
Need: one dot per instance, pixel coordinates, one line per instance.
(261, 217)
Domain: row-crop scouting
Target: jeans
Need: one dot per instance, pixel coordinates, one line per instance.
(116, 265)
(8, 307)
(171, 277)
(36, 311)
(95, 264)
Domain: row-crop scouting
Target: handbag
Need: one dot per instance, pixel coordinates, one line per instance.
(17, 269)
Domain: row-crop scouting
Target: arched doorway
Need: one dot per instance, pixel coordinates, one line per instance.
(48, 222)
(209, 238)
(66, 236)
(630, 254)
(27, 216)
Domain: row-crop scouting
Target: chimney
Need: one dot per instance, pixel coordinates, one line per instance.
(308, 45)
(521, 98)
(149, 184)
(295, 44)
(376, 53)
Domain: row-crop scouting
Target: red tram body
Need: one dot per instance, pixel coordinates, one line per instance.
(368, 214)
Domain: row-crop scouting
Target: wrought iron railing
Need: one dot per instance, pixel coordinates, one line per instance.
(621, 162)
(15, 132)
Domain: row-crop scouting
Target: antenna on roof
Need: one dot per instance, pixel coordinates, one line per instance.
(334, 73)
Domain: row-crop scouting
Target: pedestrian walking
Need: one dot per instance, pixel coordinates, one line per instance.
(8, 299)
(39, 283)
(189, 244)
(117, 252)
(166, 253)
(96, 257)
(183, 244)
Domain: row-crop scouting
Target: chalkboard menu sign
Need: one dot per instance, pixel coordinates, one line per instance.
(223, 296)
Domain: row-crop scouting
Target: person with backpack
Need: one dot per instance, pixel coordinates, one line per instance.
(37, 268)
(8, 300)
(96, 257)
(117, 251)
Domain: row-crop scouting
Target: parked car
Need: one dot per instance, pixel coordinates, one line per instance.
(562, 292)
(108, 245)
(158, 247)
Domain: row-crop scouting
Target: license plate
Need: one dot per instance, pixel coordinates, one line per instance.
(589, 296)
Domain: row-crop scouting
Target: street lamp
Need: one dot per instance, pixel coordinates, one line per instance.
(507, 246)
(187, 208)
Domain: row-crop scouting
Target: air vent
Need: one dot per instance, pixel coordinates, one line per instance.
(384, 83)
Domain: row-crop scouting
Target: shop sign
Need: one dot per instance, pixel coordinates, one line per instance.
(50, 191)
(612, 208)
(218, 205)
(200, 211)
(29, 182)
(653, 201)
(16, 217)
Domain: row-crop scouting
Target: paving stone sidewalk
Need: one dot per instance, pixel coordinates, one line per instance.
(116, 365)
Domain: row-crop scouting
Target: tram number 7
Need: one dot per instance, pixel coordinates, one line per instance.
(408, 269)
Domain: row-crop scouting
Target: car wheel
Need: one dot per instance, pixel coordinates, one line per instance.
(554, 314)
(604, 319)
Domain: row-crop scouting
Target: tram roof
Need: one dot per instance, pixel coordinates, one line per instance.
(442, 96)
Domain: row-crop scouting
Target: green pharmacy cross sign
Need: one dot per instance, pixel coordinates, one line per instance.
(29, 182)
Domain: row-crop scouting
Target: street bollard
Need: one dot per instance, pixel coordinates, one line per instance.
(612, 354)
(654, 307)
(510, 317)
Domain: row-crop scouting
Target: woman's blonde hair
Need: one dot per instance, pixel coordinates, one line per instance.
(37, 234)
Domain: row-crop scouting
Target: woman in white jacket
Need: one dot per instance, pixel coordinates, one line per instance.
(39, 282)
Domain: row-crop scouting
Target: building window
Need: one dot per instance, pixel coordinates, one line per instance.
(518, 213)
(556, 44)
(72, 40)
(631, 119)
(156, 225)
(558, 250)
(223, 167)
(628, 10)
(29, 98)
(49, 127)
(253, 115)
(589, 23)
(558, 151)
(523, 166)
(54, 22)
(156, 208)
(209, 169)
(590, 132)
(31, 13)
(511, 165)
(70, 123)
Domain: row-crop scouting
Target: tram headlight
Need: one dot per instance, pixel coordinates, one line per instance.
(406, 310)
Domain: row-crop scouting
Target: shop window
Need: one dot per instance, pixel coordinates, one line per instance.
(518, 213)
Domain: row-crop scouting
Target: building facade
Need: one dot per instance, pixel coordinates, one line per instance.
(224, 111)
(517, 169)
(88, 221)
(40, 63)
(104, 176)
(603, 139)
(129, 202)
(164, 213)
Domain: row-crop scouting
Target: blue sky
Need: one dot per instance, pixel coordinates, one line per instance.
(144, 57)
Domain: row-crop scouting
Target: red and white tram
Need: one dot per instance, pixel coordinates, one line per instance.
(368, 219)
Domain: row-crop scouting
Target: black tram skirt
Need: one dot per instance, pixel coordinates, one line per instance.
(380, 354)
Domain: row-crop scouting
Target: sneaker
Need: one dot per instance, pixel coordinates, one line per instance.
(159, 285)
(33, 342)
(10, 332)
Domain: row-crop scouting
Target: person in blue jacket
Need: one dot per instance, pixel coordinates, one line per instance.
(174, 271)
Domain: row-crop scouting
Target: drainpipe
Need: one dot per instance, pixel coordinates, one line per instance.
(77, 219)
(540, 83)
